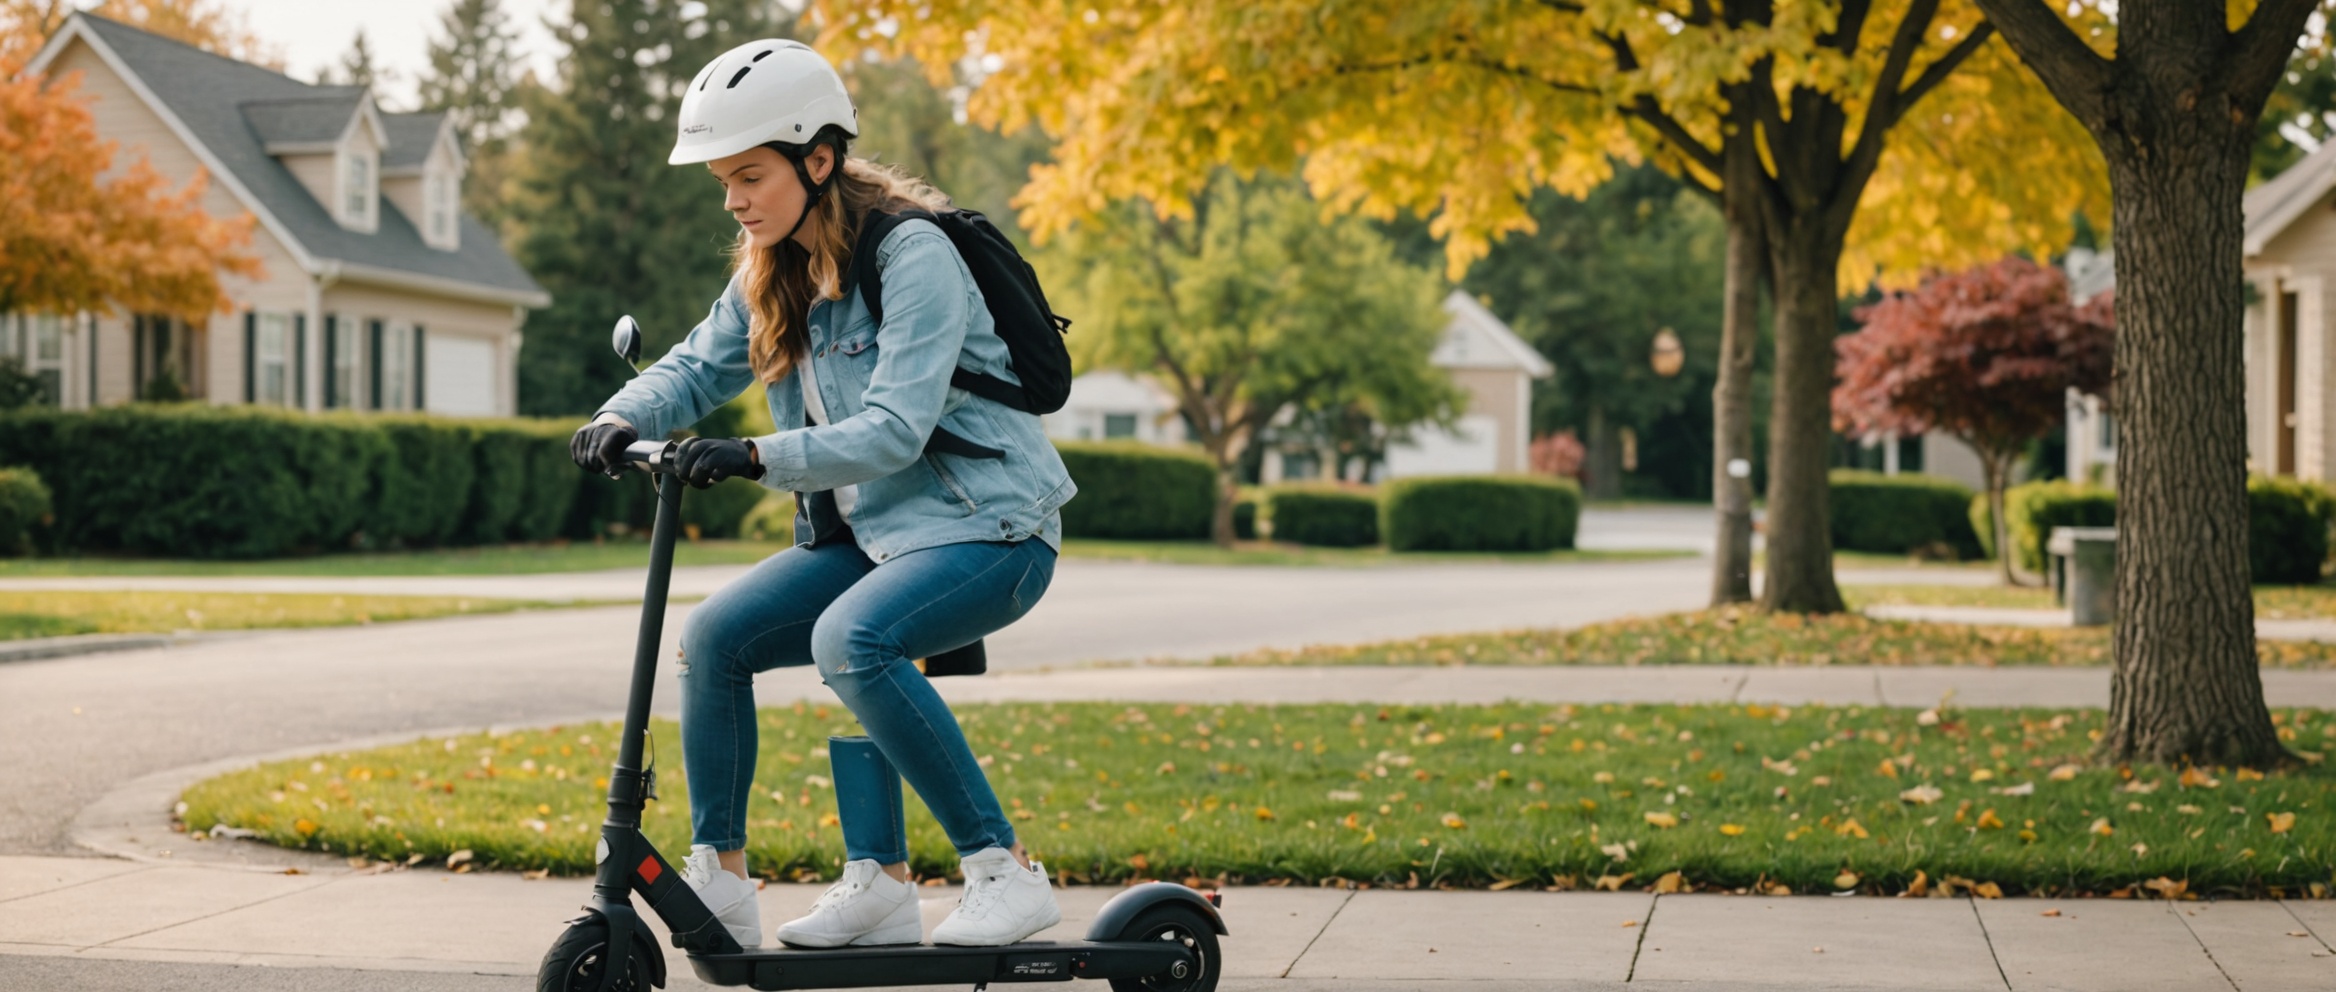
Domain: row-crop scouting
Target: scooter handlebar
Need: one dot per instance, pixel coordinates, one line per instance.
(651, 456)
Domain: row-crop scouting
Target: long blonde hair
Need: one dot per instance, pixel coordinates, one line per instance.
(784, 280)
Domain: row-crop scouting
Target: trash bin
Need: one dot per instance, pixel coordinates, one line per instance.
(2091, 566)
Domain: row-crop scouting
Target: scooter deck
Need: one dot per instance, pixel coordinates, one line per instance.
(930, 964)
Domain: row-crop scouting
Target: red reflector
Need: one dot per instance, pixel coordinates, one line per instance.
(1217, 899)
(649, 870)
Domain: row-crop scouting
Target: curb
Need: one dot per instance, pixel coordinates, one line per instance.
(38, 648)
(133, 820)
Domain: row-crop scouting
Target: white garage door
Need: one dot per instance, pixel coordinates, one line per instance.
(459, 375)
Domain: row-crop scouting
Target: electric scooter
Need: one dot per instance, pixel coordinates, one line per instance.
(1158, 936)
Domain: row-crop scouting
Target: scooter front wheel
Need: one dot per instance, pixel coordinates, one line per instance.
(1181, 925)
(576, 960)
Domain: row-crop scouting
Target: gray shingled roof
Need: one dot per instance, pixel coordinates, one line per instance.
(312, 120)
(217, 99)
(411, 137)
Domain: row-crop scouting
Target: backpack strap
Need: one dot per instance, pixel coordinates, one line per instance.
(865, 275)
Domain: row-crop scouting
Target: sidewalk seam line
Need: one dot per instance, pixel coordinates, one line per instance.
(2174, 909)
(2306, 924)
(1641, 945)
(1736, 695)
(92, 881)
(1988, 939)
(206, 916)
(1309, 948)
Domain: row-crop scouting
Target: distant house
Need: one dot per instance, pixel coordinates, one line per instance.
(1486, 360)
(378, 292)
(2290, 333)
(1496, 369)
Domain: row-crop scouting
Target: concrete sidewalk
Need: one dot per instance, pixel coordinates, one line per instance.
(500, 924)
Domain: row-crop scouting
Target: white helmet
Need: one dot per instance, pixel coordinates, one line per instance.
(759, 92)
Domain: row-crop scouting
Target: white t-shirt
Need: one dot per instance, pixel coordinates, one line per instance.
(846, 497)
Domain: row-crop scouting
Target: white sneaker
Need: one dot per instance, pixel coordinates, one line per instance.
(729, 896)
(867, 907)
(1003, 902)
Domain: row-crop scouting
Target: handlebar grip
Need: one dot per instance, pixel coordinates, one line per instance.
(651, 456)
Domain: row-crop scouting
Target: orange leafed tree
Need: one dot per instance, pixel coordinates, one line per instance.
(205, 24)
(78, 235)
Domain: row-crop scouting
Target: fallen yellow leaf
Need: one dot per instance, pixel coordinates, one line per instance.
(2281, 822)
(1851, 828)
(1732, 829)
(2101, 826)
(1846, 880)
(2063, 773)
(1921, 795)
(2249, 775)
(1987, 890)
(1888, 768)
(1989, 821)
(305, 826)
(1663, 820)
(2193, 778)
(1981, 775)
(1671, 882)
(1920, 886)
(1454, 821)
(1613, 883)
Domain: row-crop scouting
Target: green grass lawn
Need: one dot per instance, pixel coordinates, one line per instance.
(51, 613)
(1749, 637)
(1813, 798)
(530, 559)
(2271, 602)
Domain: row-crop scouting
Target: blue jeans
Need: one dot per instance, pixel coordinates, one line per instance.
(864, 625)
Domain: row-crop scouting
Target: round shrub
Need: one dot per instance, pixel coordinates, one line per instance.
(773, 519)
(1897, 514)
(1136, 491)
(24, 504)
(1326, 516)
(2287, 530)
(2030, 512)
(718, 510)
(1245, 518)
(1479, 513)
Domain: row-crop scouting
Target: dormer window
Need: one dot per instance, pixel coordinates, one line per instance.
(358, 190)
(438, 189)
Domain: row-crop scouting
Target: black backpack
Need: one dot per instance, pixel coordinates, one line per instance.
(1033, 333)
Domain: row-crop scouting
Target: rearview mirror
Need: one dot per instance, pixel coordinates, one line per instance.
(627, 340)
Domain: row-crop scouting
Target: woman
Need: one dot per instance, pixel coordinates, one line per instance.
(903, 553)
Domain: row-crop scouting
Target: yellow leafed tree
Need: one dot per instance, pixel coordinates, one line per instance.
(1457, 111)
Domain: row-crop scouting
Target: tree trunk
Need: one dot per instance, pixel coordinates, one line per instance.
(1799, 577)
(1604, 470)
(2187, 686)
(1995, 472)
(1731, 393)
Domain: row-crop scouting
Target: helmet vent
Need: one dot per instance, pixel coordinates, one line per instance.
(761, 55)
(741, 75)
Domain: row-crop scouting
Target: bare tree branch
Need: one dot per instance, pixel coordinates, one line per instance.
(2077, 76)
(2260, 48)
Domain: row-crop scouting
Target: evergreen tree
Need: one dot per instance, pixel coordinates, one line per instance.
(473, 77)
(600, 220)
(356, 68)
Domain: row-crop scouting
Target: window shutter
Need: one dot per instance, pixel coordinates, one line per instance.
(418, 376)
(373, 333)
(299, 361)
(251, 353)
(332, 378)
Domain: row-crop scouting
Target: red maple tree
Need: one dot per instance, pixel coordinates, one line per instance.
(1986, 355)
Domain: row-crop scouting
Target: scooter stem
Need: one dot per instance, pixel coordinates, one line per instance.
(627, 809)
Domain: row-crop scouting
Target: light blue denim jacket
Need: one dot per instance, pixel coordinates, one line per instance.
(885, 388)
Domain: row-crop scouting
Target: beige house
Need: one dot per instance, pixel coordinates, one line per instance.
(2290, 336)
(377, 292)
(1486, 360)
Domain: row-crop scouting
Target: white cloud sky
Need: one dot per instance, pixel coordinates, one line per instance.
(314, 34)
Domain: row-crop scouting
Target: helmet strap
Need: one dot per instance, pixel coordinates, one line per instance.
(813, 191)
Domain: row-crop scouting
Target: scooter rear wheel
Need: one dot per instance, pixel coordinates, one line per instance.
(576, 959)
(1184, 926)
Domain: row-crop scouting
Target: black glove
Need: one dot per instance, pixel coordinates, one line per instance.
(703, 461)
(601, 447)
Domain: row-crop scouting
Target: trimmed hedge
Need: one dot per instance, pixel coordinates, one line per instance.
(1326, 516)
(24, 503)
(2287, 530)
(1135, 491)
(1896, 514)
(1479, 513)
(1245, 519)
(424, 486)
(773, 519)
(2287, 523)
